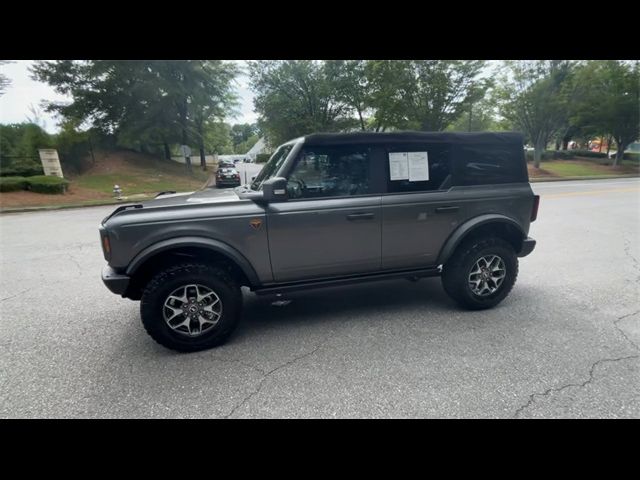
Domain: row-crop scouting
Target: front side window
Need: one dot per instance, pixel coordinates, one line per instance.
(330, 172)
(272, 166)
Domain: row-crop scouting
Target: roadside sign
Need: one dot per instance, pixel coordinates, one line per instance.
(50, 162)
(186, 151)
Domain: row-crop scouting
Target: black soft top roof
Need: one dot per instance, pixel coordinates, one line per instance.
(467, 138)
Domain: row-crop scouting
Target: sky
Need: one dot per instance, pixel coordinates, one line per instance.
(25, 93)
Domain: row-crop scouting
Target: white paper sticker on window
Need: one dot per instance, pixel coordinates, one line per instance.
(398, 166)
(418, 166)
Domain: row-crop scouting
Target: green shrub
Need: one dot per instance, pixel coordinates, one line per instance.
(12, 184)
(27, 170)
(262, 157)
(634, 156)
(47, 184)
(589, 154)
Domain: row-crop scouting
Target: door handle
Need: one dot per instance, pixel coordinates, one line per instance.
(360, 216)
(448, 209)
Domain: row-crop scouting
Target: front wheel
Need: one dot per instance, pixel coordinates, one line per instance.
(481, 273)
(190, 307)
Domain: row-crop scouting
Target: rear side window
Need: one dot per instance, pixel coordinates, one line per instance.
(490, 164)
(403, 179)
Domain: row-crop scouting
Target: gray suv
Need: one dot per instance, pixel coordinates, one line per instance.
(327, 210)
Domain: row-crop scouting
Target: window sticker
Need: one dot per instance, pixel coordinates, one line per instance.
(412, 166)
(398, 166)
(418, 166)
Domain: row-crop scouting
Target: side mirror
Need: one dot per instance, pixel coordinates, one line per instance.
(275, 190)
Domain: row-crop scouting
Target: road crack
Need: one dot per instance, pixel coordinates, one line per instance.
(618, 320)
(14, 295)
(532, 397)
(270, 373)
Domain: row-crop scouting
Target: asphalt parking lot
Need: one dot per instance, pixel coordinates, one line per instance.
(563, 344)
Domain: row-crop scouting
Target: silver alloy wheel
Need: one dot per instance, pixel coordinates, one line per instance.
(487, 275)
(192, 310)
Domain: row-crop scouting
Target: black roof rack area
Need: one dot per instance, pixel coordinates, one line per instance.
(415, 136)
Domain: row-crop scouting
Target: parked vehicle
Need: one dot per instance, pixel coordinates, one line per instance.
(226, 164)
(327, 210)
(227, 177)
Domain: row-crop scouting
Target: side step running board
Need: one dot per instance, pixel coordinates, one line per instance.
(340, 281)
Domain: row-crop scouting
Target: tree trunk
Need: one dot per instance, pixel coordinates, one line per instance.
(538, 150)
(167, 151)
(620, 146)
(565, 144)
(187, 159)
(362, 126)
(203, 160)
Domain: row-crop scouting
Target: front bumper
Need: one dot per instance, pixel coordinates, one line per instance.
(528, 244)
(115, 281)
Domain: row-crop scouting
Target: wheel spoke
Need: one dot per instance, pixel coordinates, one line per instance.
(175, 312)
(486, 275)
(192, 301)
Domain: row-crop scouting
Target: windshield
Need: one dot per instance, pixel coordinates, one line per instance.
(272, 166)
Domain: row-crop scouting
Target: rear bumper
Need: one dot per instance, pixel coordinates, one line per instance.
(528, 244)
(115, 281)
(229, 181)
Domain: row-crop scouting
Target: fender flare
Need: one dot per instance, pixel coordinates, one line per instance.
(193, 241)
(463, 230)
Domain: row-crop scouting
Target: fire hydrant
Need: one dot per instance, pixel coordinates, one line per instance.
(117, 192)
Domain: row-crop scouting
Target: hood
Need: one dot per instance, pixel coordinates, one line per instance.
(176, 205)
(207, 195)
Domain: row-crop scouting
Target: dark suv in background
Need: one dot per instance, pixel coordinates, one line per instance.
(328, 210)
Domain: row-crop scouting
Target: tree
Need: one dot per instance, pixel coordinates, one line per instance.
(609, 102)
(4, 80)
(422, 94)
(478, 117)
(141, 102)
(217, 138)
(534, 98)
(352, 85)
(295, 98)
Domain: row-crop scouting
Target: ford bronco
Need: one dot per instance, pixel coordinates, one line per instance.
(327, 210)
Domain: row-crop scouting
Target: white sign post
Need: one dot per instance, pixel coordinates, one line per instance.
(50, 162)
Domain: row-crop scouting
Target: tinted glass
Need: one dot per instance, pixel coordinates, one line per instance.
(490, 164)
(272, 166)
(330, 172)
(439, 163)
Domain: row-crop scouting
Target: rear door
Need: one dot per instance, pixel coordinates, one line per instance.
(419, 211)
(331, 223)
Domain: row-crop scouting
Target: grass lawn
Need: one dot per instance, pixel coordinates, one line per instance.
(581, 168)
(139, 182)
(563, 169)
(136, 175)
(140, 174)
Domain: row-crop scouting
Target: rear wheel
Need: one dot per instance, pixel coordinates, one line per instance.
(481, 273)
(190, 307)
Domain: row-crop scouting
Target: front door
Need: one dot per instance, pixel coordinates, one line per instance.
(331, 223)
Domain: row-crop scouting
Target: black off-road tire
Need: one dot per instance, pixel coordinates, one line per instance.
(455, 273)
(166, 281)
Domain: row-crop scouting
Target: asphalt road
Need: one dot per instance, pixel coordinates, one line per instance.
(563, 344)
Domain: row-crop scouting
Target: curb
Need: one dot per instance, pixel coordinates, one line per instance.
(593, 177)
(69, 206)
